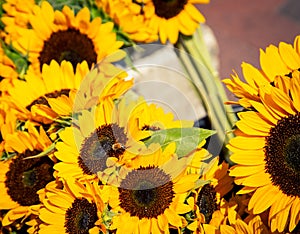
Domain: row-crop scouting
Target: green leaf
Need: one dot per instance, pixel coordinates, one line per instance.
(186, 139)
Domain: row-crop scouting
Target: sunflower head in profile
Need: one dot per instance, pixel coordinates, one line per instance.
(206, 199)
(22, 176)
(151, 198)
(65, 36)
(76, 207)
(165, 18)
(274, 62)
(266, 153)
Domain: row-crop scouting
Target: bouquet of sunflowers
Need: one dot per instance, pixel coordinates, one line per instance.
(83, 152)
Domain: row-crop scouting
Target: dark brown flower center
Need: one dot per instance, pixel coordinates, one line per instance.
(207, 202)
(81, 217)
(26, 177)
(70, 45)
(108, 140)
(43, 100)
(168, 8)
(146, 192)
(282, 152)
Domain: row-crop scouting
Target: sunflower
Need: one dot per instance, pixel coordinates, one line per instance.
(150, 199)
(74, 208)
(156, 17)
(274, 62)
(59, 90)
(206, 200)
(129, 22)
(55, 81)
(265, 151)
(95, 142)
(63, 36)
(7, 71)
(16, 17)
(21, 177)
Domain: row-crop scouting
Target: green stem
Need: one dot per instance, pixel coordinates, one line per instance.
(195, 58)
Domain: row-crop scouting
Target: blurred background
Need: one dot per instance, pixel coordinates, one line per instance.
(242, 27)
(235, 30)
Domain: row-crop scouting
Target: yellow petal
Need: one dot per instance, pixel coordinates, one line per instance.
(272, 63)
(248, 143)
(246, 170)
(51, 218)
(194, 13)
(162, 222)
(144, 225)
(163, 31)
(173, 218)
(257, 179)
(263, 198)
(172, 30)
(241, 227)
(295, 211)
(289, 55)
(249, 157)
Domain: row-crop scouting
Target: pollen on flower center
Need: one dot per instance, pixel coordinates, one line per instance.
(146, 192)
(70, 45)
(282, 150)
(101, 144)
(168, 8)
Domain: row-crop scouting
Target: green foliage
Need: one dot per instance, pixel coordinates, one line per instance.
(1, 13)
(186, 139)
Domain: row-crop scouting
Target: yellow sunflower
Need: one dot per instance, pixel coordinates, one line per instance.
(96, 141)
(29, 97)
(265, 151)
(75, 208)
(83, 89)
(21, 177)
(171, 18)
(206, 200)
(63, 36)
(150, 199)
(59, 90)
(274, 62)
(16, 17)
(7, 71)
(128, 20)
(156, 17)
